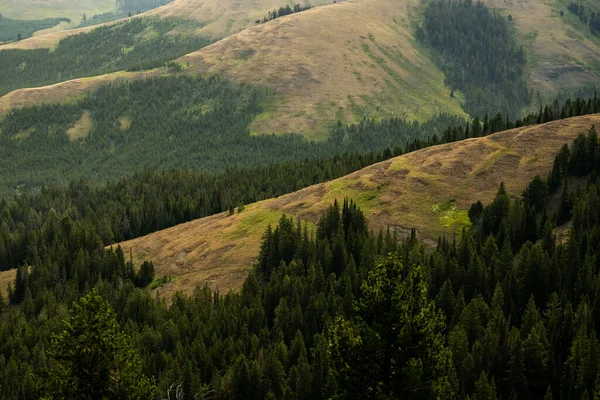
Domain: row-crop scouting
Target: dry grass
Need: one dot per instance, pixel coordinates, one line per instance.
(221, 18)
(6, 278)
(560, 56)
(418, 190)
(40, 9)
(82, 128)
(124, 123)
(368, 66)
(338, 62)
(65, 91)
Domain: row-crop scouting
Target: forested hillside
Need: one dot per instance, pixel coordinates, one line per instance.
(506, 312)
(479, 55)
(169, 122)
(13, 29)
(141, 43)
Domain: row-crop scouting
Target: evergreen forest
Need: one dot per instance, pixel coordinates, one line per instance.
(138, 44)
(14, 30)
(201, 124)
(479, 55)
(503, 311)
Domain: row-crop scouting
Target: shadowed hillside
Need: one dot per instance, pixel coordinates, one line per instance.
(430, 190)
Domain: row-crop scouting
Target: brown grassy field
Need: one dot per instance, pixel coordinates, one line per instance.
(6, 278)
(337, 62)
(430, 190)
(220, 18)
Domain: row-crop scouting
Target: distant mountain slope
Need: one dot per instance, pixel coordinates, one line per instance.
(429, 190)
(220, 17)
(563, 56)
(338, 62)
(365, 65)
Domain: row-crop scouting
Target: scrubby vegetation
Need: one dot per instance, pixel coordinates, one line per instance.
(138, 44)
(14, 30)
(478, 54)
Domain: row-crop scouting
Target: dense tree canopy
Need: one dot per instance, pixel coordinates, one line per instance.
(137, 44)
(505, 312)
(478, 54)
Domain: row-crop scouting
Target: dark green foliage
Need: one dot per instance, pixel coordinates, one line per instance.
(520, 323)
(141, 43)
(145, 275)
(395, 348)
(10, 28)
(176, 122)
(92, 359)
(478, 55)
(283, 11)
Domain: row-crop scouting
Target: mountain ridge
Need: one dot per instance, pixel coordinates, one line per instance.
(430, 190)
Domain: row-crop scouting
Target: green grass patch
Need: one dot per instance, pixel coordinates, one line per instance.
(452, 217)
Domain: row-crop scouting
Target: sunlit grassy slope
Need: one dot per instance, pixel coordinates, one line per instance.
(219, 17)
(430, 190)
(342, 62)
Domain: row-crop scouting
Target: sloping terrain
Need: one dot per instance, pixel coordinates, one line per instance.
(66, 91)
(367, 66)
(562, 56)
(430, 190)
(220, 17)
(40, 9)
(338, 62)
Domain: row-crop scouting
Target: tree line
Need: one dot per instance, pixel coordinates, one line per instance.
(478, 54)
(591, 18)
(202, 124)
(15, 30)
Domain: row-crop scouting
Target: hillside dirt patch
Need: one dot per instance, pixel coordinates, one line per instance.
(82, 127)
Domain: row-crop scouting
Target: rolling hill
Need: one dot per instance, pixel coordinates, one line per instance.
(563, 55)
(220, 18)
(368, 66)
(429, 190)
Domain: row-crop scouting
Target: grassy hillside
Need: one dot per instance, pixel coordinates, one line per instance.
(40, 9)
(562, 55)
(220, 18)
(368, 67)
(429, 190)
(135, 45)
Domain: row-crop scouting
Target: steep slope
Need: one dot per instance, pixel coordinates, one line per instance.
(338, 62)
(221, 18)
(429, 190)
(563, 56)
(367, 66)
